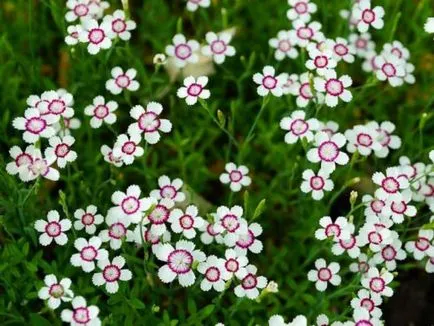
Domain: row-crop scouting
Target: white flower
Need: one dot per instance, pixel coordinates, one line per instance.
(390, 68)
(284, 44)
(127, 148)
(56, 104)
(324, 274)
(397, 209)
(53, 229)
(272, 287)
(119, 25)
(109, 156)
(307, 32)
(389, 254)
(385, 137)
(301, 9)
(122, 80)
(149, 122)
(351, 245)
(342, 50)
(68, 125)
(214, 274)
(363, 139)
(409, 77)
(39, 166)
(333, 87)
(376, 232)
(98, 36)
(337, 229)
(290, 82)
(169, 189)
(194, 89)
(100, 111)
(111, 273)
(129, 205)
(60, 148)
(55, 292)
(429, 25)
(250, 283)
(159, 216)
(248, 241)
(99, 7)
(429, 267)
(374, 206)
(268, 82)
(298, 127)
(78, 9)
(142, 235)
(316, 183)
(367, 16)
(368, 300)
(329, 127)
(322, 320)
(230, 222)
(320, 61)
(236, 176)
(362, 44)
(328, 151)
(218, 46)
(192, 5)
(303, 91)
(82, 314)
(389, 184)
(34, 125)
(277, 320)
(234, 262)
(183, 51)
(20, 158)
(179, 262)
(369, 64)
(211, 233)
(73, 33)
(88, 253)
(377, 282)
(362, 265)
(422, 247)
(186, 222)
(397, 49)
(361, 317)
(116, 232)
(87, 219)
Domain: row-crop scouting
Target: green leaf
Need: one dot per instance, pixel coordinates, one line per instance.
(37, 320)
(136, 303)
(259, 209)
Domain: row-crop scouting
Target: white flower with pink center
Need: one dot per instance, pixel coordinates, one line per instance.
(78, 9)
(333, 87)
(68, 125)
(250, 283)
(329, 127)
(159, 216)
(277, 320)
(87, 219)
(142, 235)
(127, 148)
(409, 77)
(374, 206)
(97, 36)
(129, 206)
(351, 245)
(362, 265)
(301, 9)
(397, 49)
(148, 122)
(304, 92)
(230, 222)
(170, 189)
(99, 6)
(73, 33)
(268, 82)
(320, 61)
(122, 81)
(390, 184)
(214, 274)
(55, 291)
(186, 222)
(341, 50)
(422, 247)
(429, 267)
(368, 16)
(298, 127)
(218, 47)
(369, 301)
(81, 313)
(100, 111)
(316, 183)
(390, 68)
(429, 25)
(385, 137)
(193, 5)
(249, 241)
(60, 148)
(306, 33)
(120, 26)
(179, 262)
(324, 274)
(389, 254)
(370, 62)
(362, 44)
(88, 253)
(35, 125)
(20, 158)
(234, 262)
(109, 157)
(398, 209)
(362, 317)
(53, 229)
(327, 151)
(116, 232)
(194, 89)
(376, 282)
(236, 176)
(285, 45)
(362, 139)
(38, 167)
(376, 232)
(183, 51)
(335, 230)
(111, 273)
(56, 104)
(211, 234)
(290, 85)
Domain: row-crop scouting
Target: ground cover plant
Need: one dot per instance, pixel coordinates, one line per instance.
(215, 162)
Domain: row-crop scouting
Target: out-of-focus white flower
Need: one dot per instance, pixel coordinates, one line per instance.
(218, 46)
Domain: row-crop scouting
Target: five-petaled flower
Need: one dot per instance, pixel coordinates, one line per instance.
(316, 183)
(194, 89)
(120, 26)
(186, 222)
(122, 80)
(367, 16)
(284, 44)
(250, 283)
(334, 87)
(324, 274)
(327, 151)
(60, 148)
(100, 111)
(377, 282)
(98, 36)
(53, 229)
(170, 189)
(111, 273)
(55, 291)
(81, 313)
(235, 176)
(88, 253)
(268, 82)
(214, 274)
(128, 148)
(183, 51)
(218, 46)
(87, 219)
(35, 125)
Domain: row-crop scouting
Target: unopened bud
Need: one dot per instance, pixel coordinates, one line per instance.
(159, 59)
(353, 197)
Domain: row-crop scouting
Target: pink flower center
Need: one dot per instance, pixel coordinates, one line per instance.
(305, 91)
(212, 274)
(129, 147)
(340, 49)
(397, 52)
(299, 127)
(81, 315)
(334, 87)
(119, 26)
(39, 167)
(363, 323)
(364, 140)
(111, 273)
(333, 230)
(374, 237)
(390, 185)
(151, 238)
(328, 151)
(246, 240)
(389, 69)
(422, 244)
(96, 35)
(159, 215)
(230, 223)
(186, 222)
(377, 284)
(269, 82)
(81, 10)
(368, 16)
(218, 47)
(377, 205)
(123, 81)
(284, 45)
(235, 176)
(130, 205)
(87, 219)
(61, 150)
(249, 282)
(324, 274)
(398, 207)
(317, 183)
(361, 44)
(23, 159)
(88, 253)
(194, 89)
(210, 230)
(368, 304)
(363, 267)
(57, 106)
(383, 137)
(117, 230)
(300, 8)
(183, 51)
(321, 61)
(388, 253)
(35, 125)
(149, 122)
(56, 291)
(348, 244)
(180, 261)
(53, 229)
(305, 33)
(168, 192)
(101, 111)
(231, 265)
